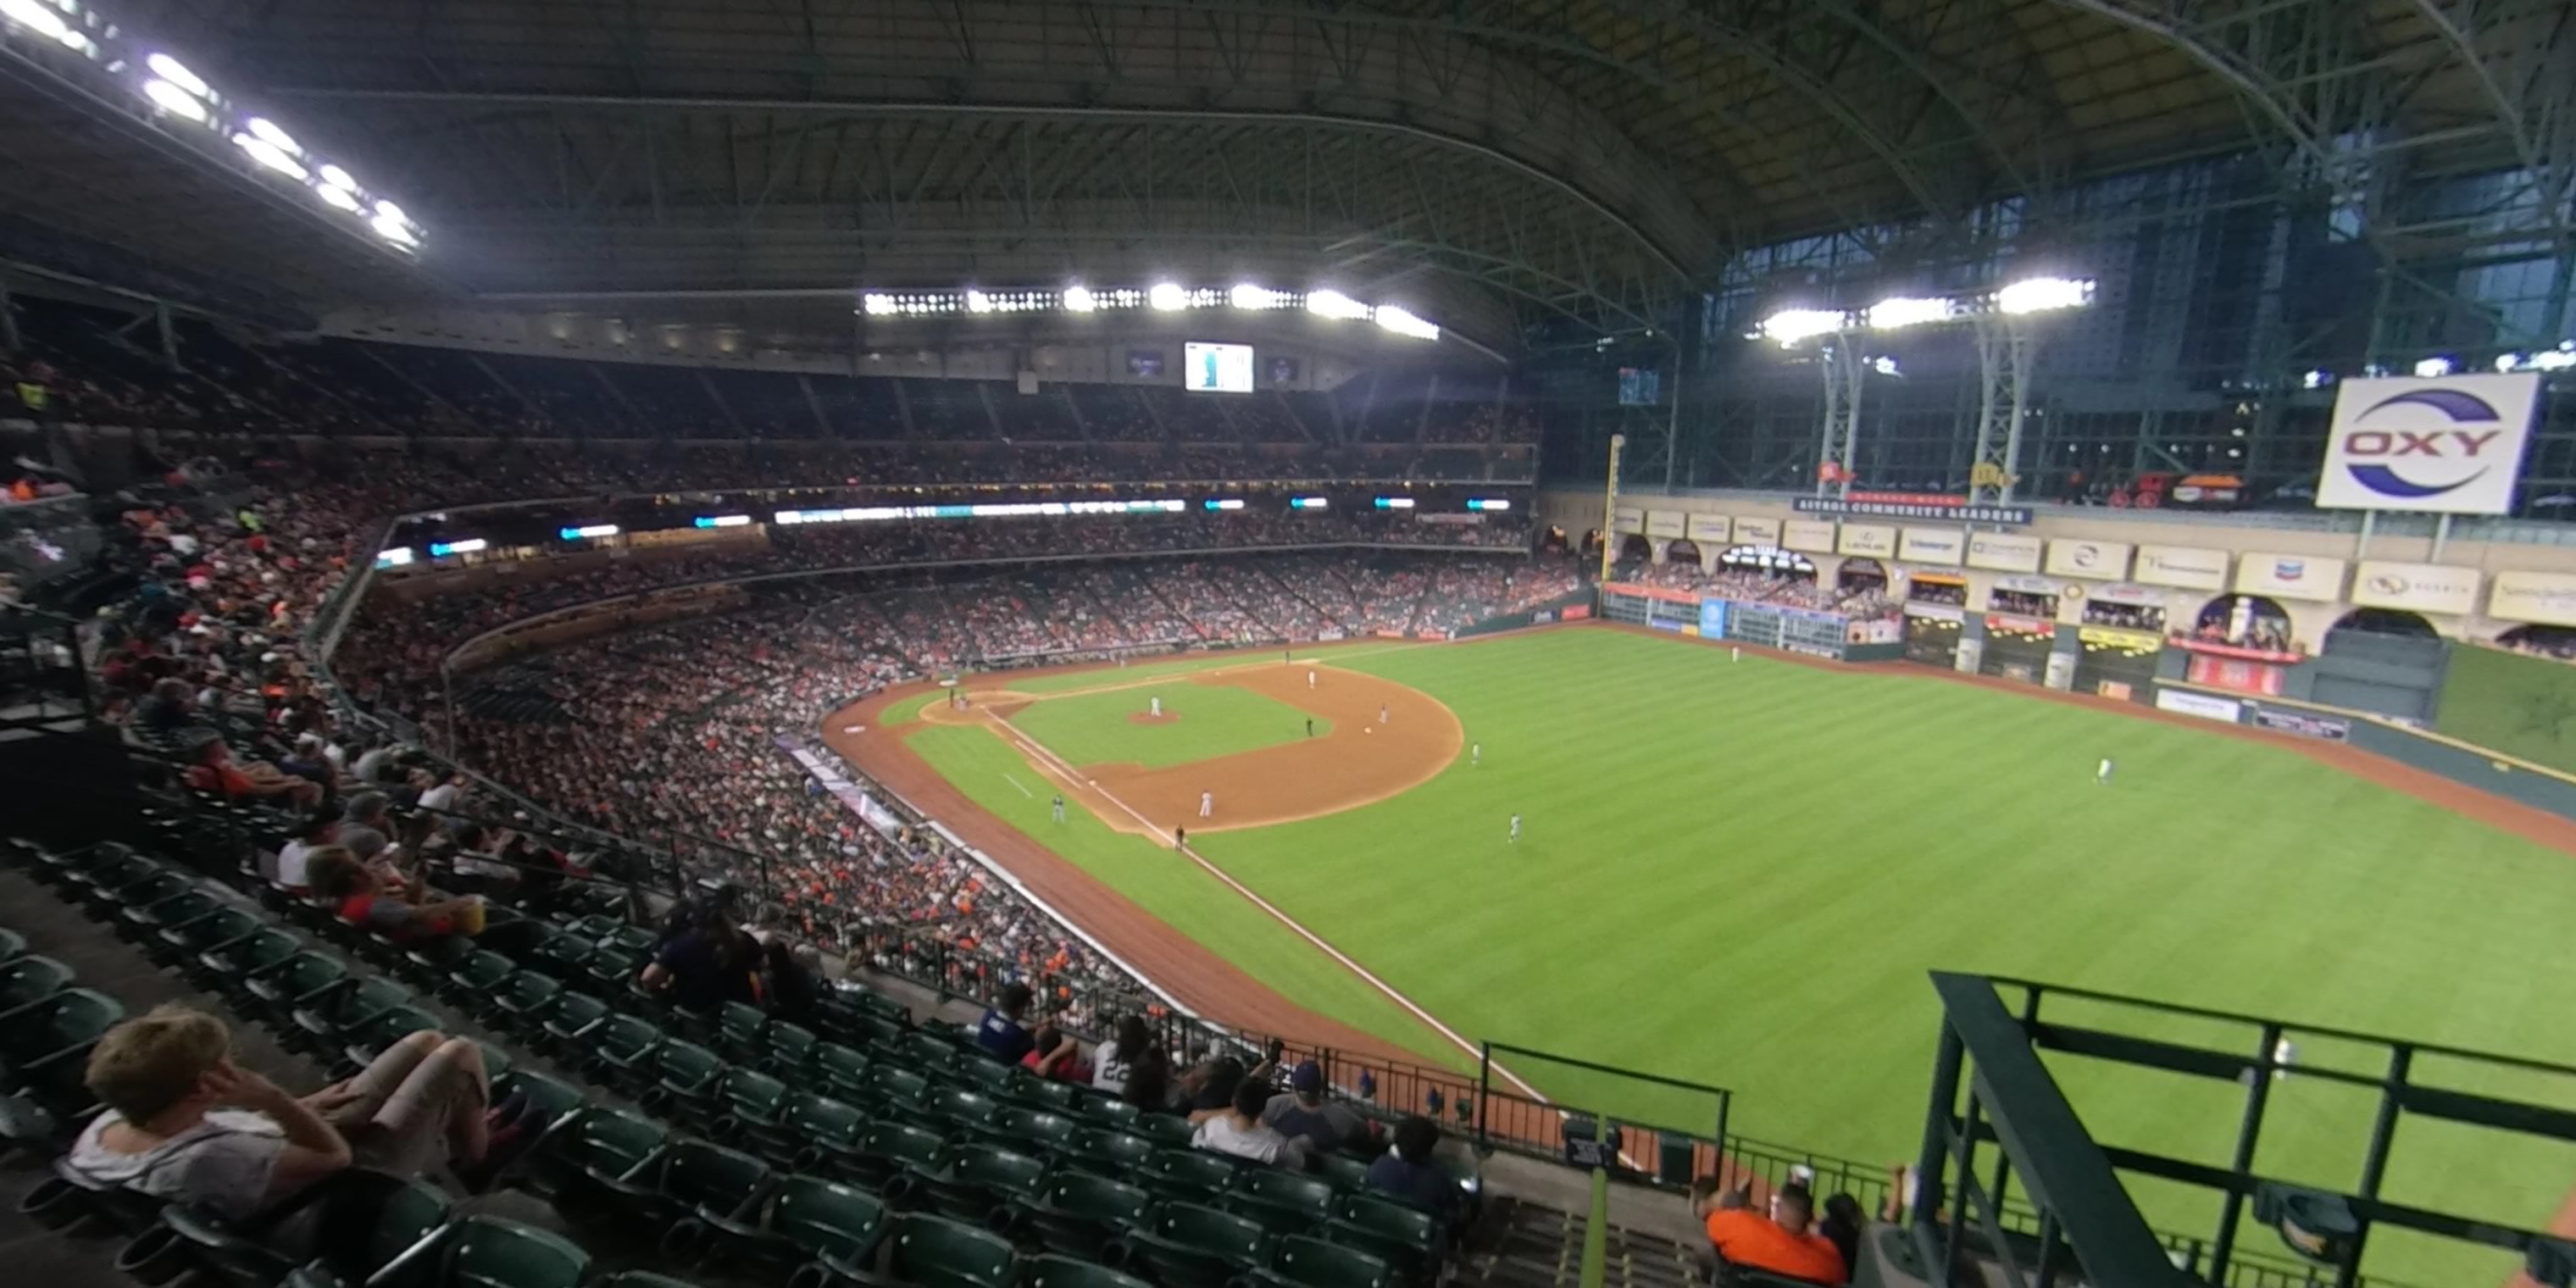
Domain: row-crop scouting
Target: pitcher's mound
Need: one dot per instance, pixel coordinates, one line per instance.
(1149, 718)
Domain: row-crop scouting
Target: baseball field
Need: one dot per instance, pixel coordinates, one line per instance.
(1738, 872)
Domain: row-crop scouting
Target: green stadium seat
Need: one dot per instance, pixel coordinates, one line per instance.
(641, 1279)
(738, 1032)
(1065, 1272)
(596, 1140)
(361, 1221)
(610, 969)
(1114, 1154)
(1187, 1175)
(518, 999)
(227, 968)
(755, 1104)
(991, 1077)
(1406, 1237)
(141, 923)
(683, 1080)
(801, 1219)
(1312, 1263)
(626, 938)
(25, 979)
(892, 1087)
(477, 974)
(487, 1252)
(967, 1182)
(558, 1098)
(1283, 1202)
(824, 1132)
(360, 1046)
(1030, 1130)
(935, 1055)
(322, 1020)
(94, 885)
(1163, 1129)
(565, 1025)
(691, 1184)
(179, 944)
(1342, 1170)
(1049, 1095)
(12, 945)
(1184, 1245)
(862, 1028)
(843, 1071)
(271, 995)
(564, 956)
(427, 963)
(44, 1046)
(619, 1052)
(957, 1108)
(1110, 1112)
(935, 1253)
(1078, 1214)
(786, 1049)
(888, 1149)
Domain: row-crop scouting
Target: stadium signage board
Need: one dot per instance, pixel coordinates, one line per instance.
(2028, 585)
(2290, 577)
(2186, 702)
(2188, 567)
(1936, 612)
(2542, 598)
(1931, 546)
(2416, 588)
(2101, 560)
(2003, 552)
(1711, 527)
(2443, 445)
(1815, 535)
(2009, 515)
(1628, 518)
(2305, 726)
(1873, 540)
(1766, 532)
(1666, 523)
(2127, 593)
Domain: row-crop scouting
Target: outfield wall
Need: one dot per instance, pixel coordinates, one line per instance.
(2468, 764)
(2518, 703)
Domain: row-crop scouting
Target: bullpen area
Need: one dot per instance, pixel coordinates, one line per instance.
(1738, 872)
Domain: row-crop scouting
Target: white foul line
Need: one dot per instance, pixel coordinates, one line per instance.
(1016, 783)
(1066, 768)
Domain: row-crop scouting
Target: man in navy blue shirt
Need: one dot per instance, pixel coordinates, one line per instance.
(1000, 1033)
(1409, 1174)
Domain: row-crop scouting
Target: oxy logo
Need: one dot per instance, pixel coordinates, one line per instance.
(2415, 463)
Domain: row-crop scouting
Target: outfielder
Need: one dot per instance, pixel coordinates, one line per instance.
(2102, 773)
(1515, 837)
(1475, 754)
(1059, 807)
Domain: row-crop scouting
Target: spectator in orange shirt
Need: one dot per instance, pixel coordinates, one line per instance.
(1783, 1244)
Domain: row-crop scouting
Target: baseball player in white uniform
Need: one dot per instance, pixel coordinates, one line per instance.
(1516, 830)
(1207, 804)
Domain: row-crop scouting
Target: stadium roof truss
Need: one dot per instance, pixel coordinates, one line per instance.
(1496, 164)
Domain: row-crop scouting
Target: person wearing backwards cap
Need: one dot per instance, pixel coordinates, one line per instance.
(1302, 1114)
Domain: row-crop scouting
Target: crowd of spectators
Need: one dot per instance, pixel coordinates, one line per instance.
(2024, 603)
(1952, 593)
(1762, 586)
(2127, 617)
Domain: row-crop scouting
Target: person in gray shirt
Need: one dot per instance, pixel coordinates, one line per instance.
(1301, 1113)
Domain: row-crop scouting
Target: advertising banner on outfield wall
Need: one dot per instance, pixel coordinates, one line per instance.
(2101, 560)
(1707, 527)
(1712, 619)
(1628, 518)
(1813, 535)
(2003, 553)
(2544, 598)
(2127, 593)
(2186, 702)
(1666, 523)
(2443, 445)
(1766, 532)
(2189, 567)
(2415, 588)
(2290, 577)
(1931, 546)
(1868, 539)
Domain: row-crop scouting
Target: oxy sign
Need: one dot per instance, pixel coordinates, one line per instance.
(2451, 445)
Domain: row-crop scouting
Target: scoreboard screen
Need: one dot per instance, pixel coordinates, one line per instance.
(1217, 368)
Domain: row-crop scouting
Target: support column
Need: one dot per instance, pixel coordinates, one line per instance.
(1853, 370)
(2003, 404)
(161, 323)
(1827, 360)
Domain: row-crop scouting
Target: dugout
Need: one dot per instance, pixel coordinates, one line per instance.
(1932, 634)
(2017, 647)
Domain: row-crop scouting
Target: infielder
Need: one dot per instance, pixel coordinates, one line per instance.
(1381, 715)
(1207, 804)
(1158, 707)
(1310, 679)
(2102, 773)
(1515, 837)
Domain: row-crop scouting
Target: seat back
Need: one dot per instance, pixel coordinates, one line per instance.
(826, 1218)
(937, 1253)
(29, 978)
(262, 949)
(1065, 1272)
(54, 1026)
(711, 1177)
(1313, 1263)
(1113, 1152)
(1035, 1129)
(606, 1139)
(571, 1013)
(821, 1120)
(1305, 1196)
(787, 1046)
(487, 1251)
(1187, 1173)
(686, 1065)
(218, 925)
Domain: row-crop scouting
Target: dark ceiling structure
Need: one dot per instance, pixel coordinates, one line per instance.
(1496, 165)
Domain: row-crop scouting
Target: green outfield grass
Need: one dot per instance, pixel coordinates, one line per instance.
(1739, 872)
(1212, 720)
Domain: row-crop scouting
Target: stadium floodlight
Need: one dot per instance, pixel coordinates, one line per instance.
(1079, 299)
(1901, 311)
(2316, 380)
(339, 197)
(391, 225)
(2561, 358)
(2045, 295)
(1885, 366)
(2435, 368)
(1335, 305)
(587, 531)
(1402, 322)
(40, 18)
(276, 137)
(876, 304)
(272, 157)
(336, 177)
(1790, 327)
(977, 301)
(177, 73)
(1253, 298)
(1167, 297)
(174, 100)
